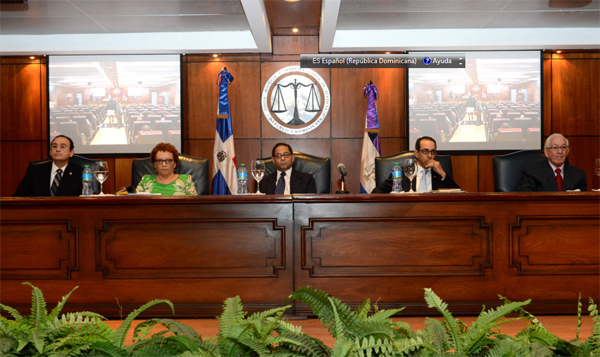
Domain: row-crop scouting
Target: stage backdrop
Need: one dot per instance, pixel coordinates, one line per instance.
(571, 106)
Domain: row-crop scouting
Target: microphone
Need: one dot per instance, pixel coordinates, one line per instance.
(342, 169)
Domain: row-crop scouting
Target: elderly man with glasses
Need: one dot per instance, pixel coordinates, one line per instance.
(430, 175)
(554, 174)
(286, 180)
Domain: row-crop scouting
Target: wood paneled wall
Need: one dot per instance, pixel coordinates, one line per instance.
(571, 89)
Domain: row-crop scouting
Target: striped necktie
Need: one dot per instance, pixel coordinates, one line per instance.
(56, 182)
(559, 179)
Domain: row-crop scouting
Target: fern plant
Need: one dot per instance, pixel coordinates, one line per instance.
(364, 332)
(43, 333)
(155, 345)
(262, 333)
(541, 342)
(451, 337)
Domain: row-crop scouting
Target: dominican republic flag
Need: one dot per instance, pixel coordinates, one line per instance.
(224, 181)
(370, 149)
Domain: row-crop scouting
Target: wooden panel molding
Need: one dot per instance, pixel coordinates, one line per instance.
(48, 247)
(396, 247)
(199, 251)
(555, 245)
(193, 249)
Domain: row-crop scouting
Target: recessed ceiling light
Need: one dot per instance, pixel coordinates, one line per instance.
(215, 55)
(295, 30)
(558, 51)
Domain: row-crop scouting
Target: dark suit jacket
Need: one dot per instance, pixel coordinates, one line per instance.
(436, 183)
(37, 181)
(540, 177)
(300, 182)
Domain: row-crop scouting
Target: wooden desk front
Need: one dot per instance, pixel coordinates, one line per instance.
(198, 251)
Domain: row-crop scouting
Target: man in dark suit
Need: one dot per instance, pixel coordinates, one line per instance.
(430, 174)
(286, 180)
(56, 177)
(554, 174)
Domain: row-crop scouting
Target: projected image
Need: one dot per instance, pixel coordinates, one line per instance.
(120, 104)
(494, 103)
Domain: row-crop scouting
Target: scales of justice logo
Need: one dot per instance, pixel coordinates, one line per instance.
(295, 100)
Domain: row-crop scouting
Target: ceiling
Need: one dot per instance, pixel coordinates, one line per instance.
(238, 26)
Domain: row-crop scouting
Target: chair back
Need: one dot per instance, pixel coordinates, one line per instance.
(188, 165)
(318, 167)
(78, 161)
(385, 165)
(151, 137)
(509, 134)
(71, 129)
(531, 132)
(174, 136)
(507, 168)
(137, 126)
(429, 127)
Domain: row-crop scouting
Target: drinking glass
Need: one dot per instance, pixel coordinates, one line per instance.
(410, 171)
(101, 173)
(258, 171)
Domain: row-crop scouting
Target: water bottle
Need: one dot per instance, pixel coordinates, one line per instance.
(86, 180)
(242, 180)
(397, 178)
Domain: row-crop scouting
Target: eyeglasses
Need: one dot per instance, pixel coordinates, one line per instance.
(278, 156)
(167, 161)
(427, 152)
(555, 148)
(56, 146)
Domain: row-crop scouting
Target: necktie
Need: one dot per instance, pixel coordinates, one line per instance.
(559, 179)
(56, 182)
(423, 181)
(280, 188)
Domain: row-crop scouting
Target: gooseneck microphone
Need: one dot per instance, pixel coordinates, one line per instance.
(342, 169)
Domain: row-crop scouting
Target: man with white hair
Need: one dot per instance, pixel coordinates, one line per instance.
(554, 174)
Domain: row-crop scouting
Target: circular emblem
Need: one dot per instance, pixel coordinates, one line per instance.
(295, 100)
(221, 156)
(116, 91)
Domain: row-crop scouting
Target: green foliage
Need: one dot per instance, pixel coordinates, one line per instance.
(364, 332)
(262, 333)
(592, 345)
(121, 333)
(542, 342)
(334, 314)
(452, 337)
(43, 333)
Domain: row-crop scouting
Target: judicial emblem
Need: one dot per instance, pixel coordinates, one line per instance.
(295, 100)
